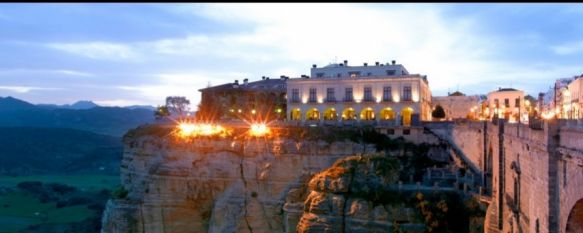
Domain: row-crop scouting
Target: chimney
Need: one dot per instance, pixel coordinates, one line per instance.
(394, 62)
(262, 77)
(314, 66)
(245, 81)
(345, 62)
(282, 77)
(266, 78)
(237, 81)
(340, 64)
(365, 64)
(376, 63)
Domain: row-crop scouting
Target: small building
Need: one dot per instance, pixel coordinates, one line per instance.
(507, 103)
(383, 93)
(263, 99)
(457, 105)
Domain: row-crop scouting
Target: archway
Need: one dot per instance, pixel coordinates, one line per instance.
(575, 219)
(330, 114)
(348, 114)
(367, 114)
(387, 114)
(406, 114)
(313, 114)
(296, 114)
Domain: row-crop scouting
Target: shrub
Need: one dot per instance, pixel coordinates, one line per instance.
(119, 193)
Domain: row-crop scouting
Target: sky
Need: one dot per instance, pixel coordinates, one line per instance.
(137, 54)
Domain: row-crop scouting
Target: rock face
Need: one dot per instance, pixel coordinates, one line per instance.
(221, 185)
(351, 197)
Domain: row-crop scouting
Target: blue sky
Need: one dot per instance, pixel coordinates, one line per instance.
(126, 54)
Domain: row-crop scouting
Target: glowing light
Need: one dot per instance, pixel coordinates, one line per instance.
(259, 129)
(253, 111)
(548, 115)
(193, 130)
(278, 110)
(239, 111)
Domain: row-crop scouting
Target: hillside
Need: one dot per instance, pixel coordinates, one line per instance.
(28, 150)
(113, 121)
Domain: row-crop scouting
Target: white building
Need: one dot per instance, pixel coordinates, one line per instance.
(507, 103)
(384, 93)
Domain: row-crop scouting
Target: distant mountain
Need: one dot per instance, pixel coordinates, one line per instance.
(83, 104)
(10, 103)
(147, 107)
(113, 121)
(27, 150)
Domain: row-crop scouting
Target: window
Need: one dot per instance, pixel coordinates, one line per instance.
(339, 75)
(295, 95)
(369, 74)
(391, 72)
(507, 102)
(517, 103)
(330, 95)
(406, 131)
(387, 94)
(407, 93)
(348, 94)
(313, 95)
(390, 131)
(368, 94)
(354, 74)
(319, 75)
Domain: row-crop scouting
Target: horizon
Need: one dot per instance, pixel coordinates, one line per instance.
(141, 53)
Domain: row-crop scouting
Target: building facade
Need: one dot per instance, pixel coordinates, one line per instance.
(458, 106)
(507, 103)
(572, 107)
(263, 99)
(383, 93)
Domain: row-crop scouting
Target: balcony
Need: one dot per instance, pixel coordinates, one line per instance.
(295, 100)
(348, 100)
(387, 100)
(368, 99)
(330, 100)
(312, 101)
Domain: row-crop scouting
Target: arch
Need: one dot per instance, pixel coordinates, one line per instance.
(367, 114)
(296, 114)
(330, 114)
(313, 114)
(348, 114)
(575, 219)
(406, 114)
(387, 114)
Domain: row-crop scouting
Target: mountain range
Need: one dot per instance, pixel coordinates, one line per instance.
(83, 115)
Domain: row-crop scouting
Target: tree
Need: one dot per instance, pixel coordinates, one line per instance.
(438, 113)
(161, 112)
(177, 105)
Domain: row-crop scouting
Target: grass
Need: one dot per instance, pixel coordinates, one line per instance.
(82, 182)
(18, 211)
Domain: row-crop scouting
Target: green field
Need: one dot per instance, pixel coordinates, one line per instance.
(19, 210)
(82, 182)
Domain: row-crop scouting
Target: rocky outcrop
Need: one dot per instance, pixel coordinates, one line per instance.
(216, 185)
(354, 196)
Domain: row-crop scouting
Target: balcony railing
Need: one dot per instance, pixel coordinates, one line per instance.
(369, 99)
(295, 100)
(330, 100)
(348, 99)
(312, 100)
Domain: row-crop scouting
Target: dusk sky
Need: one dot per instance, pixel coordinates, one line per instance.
(127, 54)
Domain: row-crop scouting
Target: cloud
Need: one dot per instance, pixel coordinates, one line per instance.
(568, 49)
(7, 72)
(98, 50)
(26, 89)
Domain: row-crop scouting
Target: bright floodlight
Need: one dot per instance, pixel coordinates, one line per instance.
(190, 129)
(259, 129)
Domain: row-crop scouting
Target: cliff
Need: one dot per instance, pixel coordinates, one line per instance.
(214, 185)
(279, 184)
